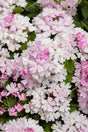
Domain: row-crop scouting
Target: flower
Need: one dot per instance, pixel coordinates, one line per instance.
(19, 107)
(12, 111)
(22, 96)
(2, 110)
(4, 93)
(10, 18)
(22, 124)
(29, 129)
(44, 54)
(12, 88)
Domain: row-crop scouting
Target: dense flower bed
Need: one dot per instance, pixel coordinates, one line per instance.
(43, 66)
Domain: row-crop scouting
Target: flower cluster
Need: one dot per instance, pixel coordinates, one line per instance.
(80, 76)
(74, 122)
(80, 79)
(51, 102)
(70, 6)
(22, 125)
(53, 19)
(10, 4)
(13, 29)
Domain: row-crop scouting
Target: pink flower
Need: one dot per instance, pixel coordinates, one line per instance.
(12, 111)
(67, 3)
(81, 44)
(4, 75)
(10, 18)
(79, 35)
(15, 79)
(80, 130)
(84, 73)
(4, 93)
(12, 87)
(22, 96)
(24, 72)
(29, 129)
(1, 110)
(61, 15)
(44, 54)
(85, 65)
(28, 80)
(15, 94)
(84, 82)
(0, 97)
(19, 107)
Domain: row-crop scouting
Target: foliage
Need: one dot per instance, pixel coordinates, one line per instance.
(73, 107)
(58, 1)
(10, 101)
(31, 10)
(31, 37)
(70, 66)
(18, 9)
(81, 18)
(73, 92)
(5, 117)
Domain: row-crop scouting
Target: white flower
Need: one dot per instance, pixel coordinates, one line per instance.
(21, 3)
(22, 124)
(57, 127)
(27, 108)
(13, 46)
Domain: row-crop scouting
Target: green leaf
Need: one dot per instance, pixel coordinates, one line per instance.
(18, 9)
(78, 24)
(73, 107)
(84, 25)
(85, 12)
(30, 1)
(69, 65)
(23, 46)
(32, 9)
(10, 101)
(11, 55)
(5, 117)
(28, 116)
(31, 36)
(79, 1)
(21, 114)
(47, 127)
(68, 78)
(73, 92)
(58, 1)
(77, 21)
(36, 117)
(30, 15)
